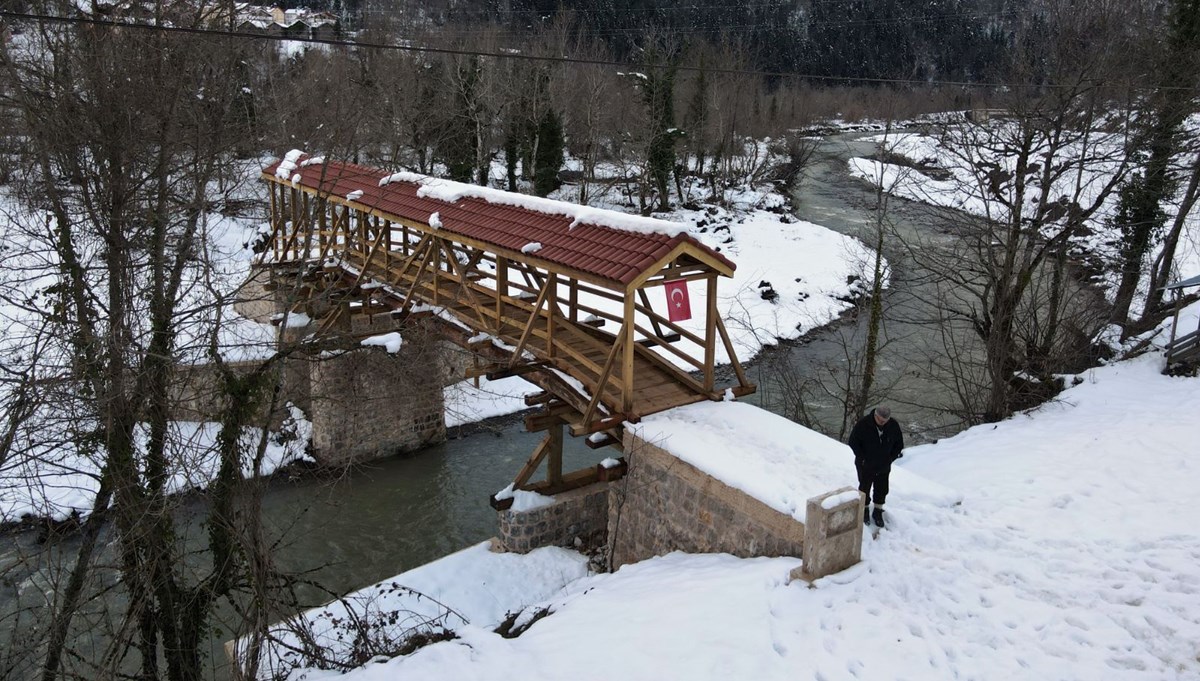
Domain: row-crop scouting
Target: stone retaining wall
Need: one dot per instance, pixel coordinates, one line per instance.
(580, 513)
(665, 504)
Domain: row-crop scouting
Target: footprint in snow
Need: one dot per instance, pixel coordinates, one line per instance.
(1126, 663)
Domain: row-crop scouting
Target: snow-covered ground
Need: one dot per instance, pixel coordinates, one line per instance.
(964, 185)
(1074, 555)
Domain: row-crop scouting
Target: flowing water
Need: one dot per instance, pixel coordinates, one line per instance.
(906, 379)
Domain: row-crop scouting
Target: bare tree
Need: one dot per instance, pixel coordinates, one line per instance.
(132, 138)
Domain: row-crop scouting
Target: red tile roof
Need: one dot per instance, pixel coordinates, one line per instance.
(604, 252)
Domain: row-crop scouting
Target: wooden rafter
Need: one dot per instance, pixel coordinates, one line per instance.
(461, 272)
(533, 317)
(603, 380)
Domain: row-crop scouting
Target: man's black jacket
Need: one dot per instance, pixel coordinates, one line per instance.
(872, 448)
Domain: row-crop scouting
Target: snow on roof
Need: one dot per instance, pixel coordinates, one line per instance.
(611, 246)
(451, 192)
(779, 462)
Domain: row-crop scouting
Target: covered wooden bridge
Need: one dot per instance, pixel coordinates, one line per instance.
(557, 293)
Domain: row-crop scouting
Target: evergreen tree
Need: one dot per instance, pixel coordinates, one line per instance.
(1140, 213)
(658, 94)
(549, 157)
(458, 146)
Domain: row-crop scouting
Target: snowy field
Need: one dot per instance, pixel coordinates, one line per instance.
(1073, 555)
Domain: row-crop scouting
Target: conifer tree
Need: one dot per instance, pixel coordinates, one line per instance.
(1140, 212)
(549, 155)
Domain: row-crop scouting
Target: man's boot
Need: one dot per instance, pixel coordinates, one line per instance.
(877, 516)
(867, 514)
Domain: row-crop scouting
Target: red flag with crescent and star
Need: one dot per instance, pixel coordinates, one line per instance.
(679, 307)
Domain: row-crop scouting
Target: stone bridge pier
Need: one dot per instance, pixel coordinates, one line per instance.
(364, 402)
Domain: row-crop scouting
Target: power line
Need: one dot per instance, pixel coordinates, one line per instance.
(873, 21)
(673, 8)
(518, 56)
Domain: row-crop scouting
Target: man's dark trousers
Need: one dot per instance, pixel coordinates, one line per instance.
(873, 476)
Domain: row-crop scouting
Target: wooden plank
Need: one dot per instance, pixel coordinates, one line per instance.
(554, 474)
(570, 481)
(653, 342)
(602, 380)
(664, 280)
(737, 366)
(534, 461)
(710, 331)
(653, 318)
(607, 441)
(538, 398)
(544, 419)
(607, 423)
(529, 326)
(473, 303)
(517, 370)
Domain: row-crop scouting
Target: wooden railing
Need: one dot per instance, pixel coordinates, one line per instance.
(1185, 348)
(548, 318)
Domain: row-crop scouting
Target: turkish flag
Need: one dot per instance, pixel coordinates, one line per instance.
(679, 307)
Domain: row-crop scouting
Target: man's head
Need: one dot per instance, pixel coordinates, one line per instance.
(883, 414)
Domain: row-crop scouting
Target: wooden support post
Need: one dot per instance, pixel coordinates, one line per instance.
(627, 363)
(538, 398)
(653, 320)
(295, 223)
(404, 236)
(501, 289)
(322, 228)
(710, 334)
(436, 269)
(534, 461)
(574, 301)
(551, 306)
(275, 222)
(387, 240)
(554, 463)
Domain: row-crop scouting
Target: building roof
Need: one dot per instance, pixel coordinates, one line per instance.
(605, 244)
(1186, 283)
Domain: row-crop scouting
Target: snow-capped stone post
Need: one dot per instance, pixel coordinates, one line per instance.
(575, 518)
(377, 400)
(833, 532)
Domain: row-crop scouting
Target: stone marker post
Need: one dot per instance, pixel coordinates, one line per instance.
(833, 531)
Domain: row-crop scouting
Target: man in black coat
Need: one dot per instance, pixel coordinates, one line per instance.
(877, 442)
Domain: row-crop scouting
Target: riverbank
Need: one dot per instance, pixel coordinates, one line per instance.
(938, 170)
(1065, 553)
